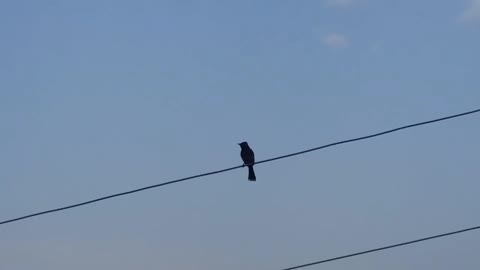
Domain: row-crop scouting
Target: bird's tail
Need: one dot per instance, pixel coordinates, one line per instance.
(251, 174)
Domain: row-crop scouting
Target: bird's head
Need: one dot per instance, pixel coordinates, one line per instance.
(243, 144)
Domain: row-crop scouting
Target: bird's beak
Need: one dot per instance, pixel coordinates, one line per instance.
(238, 143)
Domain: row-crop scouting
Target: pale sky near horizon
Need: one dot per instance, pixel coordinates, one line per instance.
(99, 97)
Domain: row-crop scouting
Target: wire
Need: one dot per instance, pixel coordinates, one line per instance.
(118, 195)
(236, 167)
(383, 248)
(371, 136)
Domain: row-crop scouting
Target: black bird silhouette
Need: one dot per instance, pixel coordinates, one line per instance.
(248, 158)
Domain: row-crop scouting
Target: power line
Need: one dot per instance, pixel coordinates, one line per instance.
(237, 167)
(118, 195)
(372, 135)
(383, 248)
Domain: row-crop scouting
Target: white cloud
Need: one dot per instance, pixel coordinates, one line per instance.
(336, 41)
(472, 13)
(339, 3)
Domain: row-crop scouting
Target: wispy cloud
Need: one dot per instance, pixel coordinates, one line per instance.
(339, 3)
(472, 13)
(336, 41)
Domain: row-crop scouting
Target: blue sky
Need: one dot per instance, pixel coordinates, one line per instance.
(98, 97)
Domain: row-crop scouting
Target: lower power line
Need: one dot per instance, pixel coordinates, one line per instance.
(382, 248)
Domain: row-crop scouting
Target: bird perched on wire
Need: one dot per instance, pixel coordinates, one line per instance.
(248, 158)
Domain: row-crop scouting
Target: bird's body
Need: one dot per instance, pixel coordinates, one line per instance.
(248, 157)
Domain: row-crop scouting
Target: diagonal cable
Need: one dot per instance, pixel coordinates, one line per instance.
(237, 167)
(382, 248)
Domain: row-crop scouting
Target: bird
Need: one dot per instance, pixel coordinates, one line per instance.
(248, 158)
